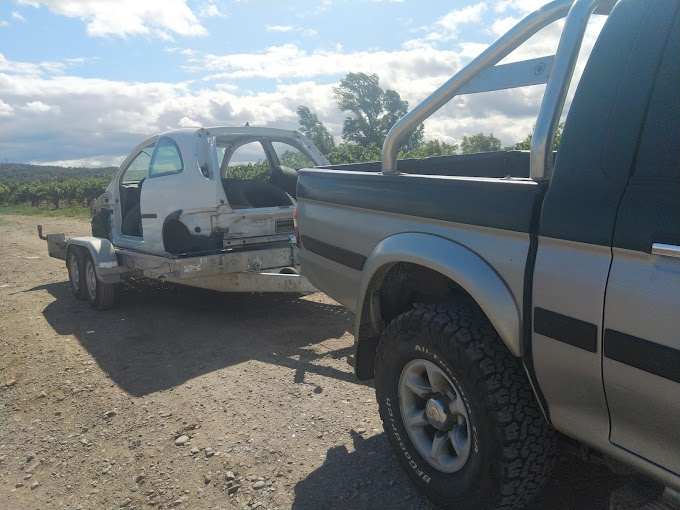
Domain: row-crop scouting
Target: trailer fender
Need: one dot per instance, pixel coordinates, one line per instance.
(103, 255)
(453, 260)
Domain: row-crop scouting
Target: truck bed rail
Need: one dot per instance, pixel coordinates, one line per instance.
(482, 75)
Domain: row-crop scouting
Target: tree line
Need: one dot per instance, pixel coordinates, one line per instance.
(44, 173)
(371, 111)
(55, 192)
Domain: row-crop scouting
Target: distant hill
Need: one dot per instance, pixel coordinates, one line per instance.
(25, 172)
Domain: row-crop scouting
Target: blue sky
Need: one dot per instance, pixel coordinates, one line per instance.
(83, 81)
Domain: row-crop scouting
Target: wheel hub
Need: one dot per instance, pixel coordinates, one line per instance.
(437, 413)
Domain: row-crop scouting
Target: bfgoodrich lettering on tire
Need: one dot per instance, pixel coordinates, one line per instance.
(459, 412)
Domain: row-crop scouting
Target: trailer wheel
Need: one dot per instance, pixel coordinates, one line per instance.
(459, 412)
(98, 293)
(74, 263)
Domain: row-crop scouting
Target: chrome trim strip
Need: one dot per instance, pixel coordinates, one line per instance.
(666, 250)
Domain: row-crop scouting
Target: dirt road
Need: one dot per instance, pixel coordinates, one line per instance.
(94, 404)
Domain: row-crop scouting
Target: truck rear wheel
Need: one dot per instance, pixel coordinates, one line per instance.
(459, 412)
(98, 293)
(74, 265)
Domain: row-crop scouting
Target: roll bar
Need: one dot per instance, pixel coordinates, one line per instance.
(482, 74)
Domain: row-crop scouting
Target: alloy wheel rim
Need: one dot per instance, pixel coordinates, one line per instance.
(435, 415)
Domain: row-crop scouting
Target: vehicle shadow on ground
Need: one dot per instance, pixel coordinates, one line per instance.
(160, 336)
(369, 478)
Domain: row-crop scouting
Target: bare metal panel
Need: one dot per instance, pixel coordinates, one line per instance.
(250, 282)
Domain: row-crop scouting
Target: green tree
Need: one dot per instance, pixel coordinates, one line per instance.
(373, 111)
(259, 171)
(480, 143)
(346, 153)
(4, 193)
(432, 148)
(313, 128)
(525, 144)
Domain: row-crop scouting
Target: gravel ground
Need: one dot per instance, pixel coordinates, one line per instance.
(180, 398)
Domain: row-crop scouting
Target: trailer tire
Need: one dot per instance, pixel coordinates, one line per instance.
(459, 412)
(99, 294)
(74, 264)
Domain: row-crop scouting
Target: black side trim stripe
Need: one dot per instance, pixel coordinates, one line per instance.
(571, 331)
(339, 255)
(651, 357)
(153, 215)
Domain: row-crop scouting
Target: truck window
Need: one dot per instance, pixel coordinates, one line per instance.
(248, 161)
(167, 159)
(291, 156)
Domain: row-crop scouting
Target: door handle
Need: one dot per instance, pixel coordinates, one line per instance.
(667, 250)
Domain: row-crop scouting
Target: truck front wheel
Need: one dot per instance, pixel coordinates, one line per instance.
(98, 293)
(459, 412)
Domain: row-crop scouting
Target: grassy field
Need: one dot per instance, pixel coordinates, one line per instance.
(27, 210)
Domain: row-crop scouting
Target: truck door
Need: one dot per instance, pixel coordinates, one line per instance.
(579, 218)
(641, 365)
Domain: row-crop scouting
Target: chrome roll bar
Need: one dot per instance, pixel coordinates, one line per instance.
(481, 75)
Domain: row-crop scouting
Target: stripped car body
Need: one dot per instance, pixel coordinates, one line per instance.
(208, 207)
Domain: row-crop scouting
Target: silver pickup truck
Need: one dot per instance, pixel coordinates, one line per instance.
(506, 299)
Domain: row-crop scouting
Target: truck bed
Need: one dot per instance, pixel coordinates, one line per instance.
(485, 164)
(344, 212)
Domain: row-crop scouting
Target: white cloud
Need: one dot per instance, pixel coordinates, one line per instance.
(289, 61)
(5, 109)
(211, 10)
(31, 3)
(122, 18)
(307, 32)
(3, 23)
(17, 16)
(502, 25)
(28, 68)
(40, 107)
(279, 28)
(446, 28)
(470, 50)
(522, 6)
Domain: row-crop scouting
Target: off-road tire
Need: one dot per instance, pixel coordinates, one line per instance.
(99, 294)
(74, 264)
(513, 447)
